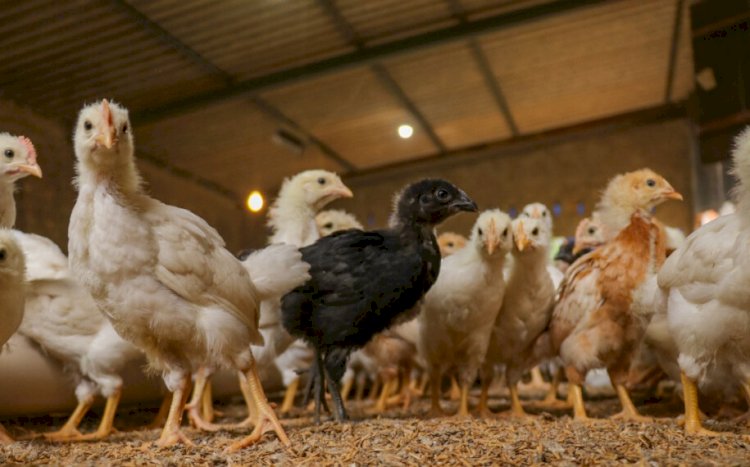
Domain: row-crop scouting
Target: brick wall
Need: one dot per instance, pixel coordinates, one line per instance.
(570, 170)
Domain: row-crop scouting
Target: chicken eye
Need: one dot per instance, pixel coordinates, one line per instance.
(592, 231)
(544, 213)
(450, 244)
(124, 127)
(9, 153)
(328, 225)
(535, 232)
(87, 125)
(479, 231)
(2, 254)
(505, 232)
(651, 182)
(442, 195)
(321, 181)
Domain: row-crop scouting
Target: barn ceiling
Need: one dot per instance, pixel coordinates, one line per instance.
(210, 84)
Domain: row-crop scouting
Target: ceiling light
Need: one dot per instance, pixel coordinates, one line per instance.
(405, 131)
(255, 201)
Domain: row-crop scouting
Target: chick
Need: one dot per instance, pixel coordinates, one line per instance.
(333, 220)
(593, 324)
(161, 274)
(12, 294)
(17, 160)
(708, 308)
(365, 281)
(450, 242)
(538, 211)
(458, 312)
(525, 312)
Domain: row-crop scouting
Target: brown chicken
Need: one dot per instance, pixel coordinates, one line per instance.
(594, 324)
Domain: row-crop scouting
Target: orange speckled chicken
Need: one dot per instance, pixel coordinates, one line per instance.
(450, 242)
(593, 324)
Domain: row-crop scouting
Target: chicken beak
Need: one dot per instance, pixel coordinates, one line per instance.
(341, 191)
(520, 238)
(577, 248)
(106, 136)
(671, 193)
(491, 238)
(31, 169)
(464, 203)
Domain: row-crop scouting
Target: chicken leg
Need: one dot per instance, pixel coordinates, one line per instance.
(266, 419)
(516, 409)
(579, 409)
(69, 430)
(359, 392)
(537, 384)
(346, 389)
(106, 425)
(161, 415)
(196, 402)
(338, 404)
(629, 412)
(435, 393)
(455, 392)
(171, 434)
(693, 425)
(463, 404)
(483, 409)
(289, 395)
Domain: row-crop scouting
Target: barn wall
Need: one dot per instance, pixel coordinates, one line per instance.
(44, 205)
(562, 170)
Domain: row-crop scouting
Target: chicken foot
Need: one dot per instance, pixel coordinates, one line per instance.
(629, 412)
(106, 425)
(196, 403)
(693, 425)
(171, 434)
(266, 419)
(69, 430)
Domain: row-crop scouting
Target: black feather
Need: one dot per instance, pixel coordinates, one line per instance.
(362, 282)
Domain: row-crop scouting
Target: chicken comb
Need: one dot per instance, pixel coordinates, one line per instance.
(106, 113)
(29, 147)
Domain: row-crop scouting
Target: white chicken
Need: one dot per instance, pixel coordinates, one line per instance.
(12, 293)
(459, 310)
(708, 305)
(525, 312)
(17, 160)
(161, 274)
(333, 220)
(450, 242)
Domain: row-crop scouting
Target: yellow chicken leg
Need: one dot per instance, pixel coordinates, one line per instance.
(435, 409)
(455, 391)
(483, 409)
(516, 409)
(579, 410)
(161, 415)
(346, 389)
(693, 425)
(629, 412)
(69, 430)
(264, 415)
(208, 412)
(289, 395)
(172, 434)
(196, 403)
(106, 425)
(463, 405)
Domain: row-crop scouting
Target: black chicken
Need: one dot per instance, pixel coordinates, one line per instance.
(361, 282)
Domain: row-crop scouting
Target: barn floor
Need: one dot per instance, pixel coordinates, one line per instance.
(405, 439)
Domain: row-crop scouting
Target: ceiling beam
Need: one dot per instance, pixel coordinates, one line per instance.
(215, 70)
(493, 85)
(673, 48)
(383, 75)
(366, 56)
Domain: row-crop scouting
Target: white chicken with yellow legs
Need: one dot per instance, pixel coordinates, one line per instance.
(525, 313)
(160, 274)
(459, 310)
(708, 304)
(12, 295)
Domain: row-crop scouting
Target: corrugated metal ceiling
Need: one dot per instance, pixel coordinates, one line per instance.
(472, 87)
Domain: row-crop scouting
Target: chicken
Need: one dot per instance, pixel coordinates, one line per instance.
(12, 294)
(333, 220)
(708, 307)
(18, 160)
(161, 274)
(365, 281)
(593, 324)
(458, 312)
(525, 312)
(450, 242)
(538, 211)
(589, 235)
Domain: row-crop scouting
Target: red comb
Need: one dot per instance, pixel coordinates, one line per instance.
(29, 147)
(106, 113)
